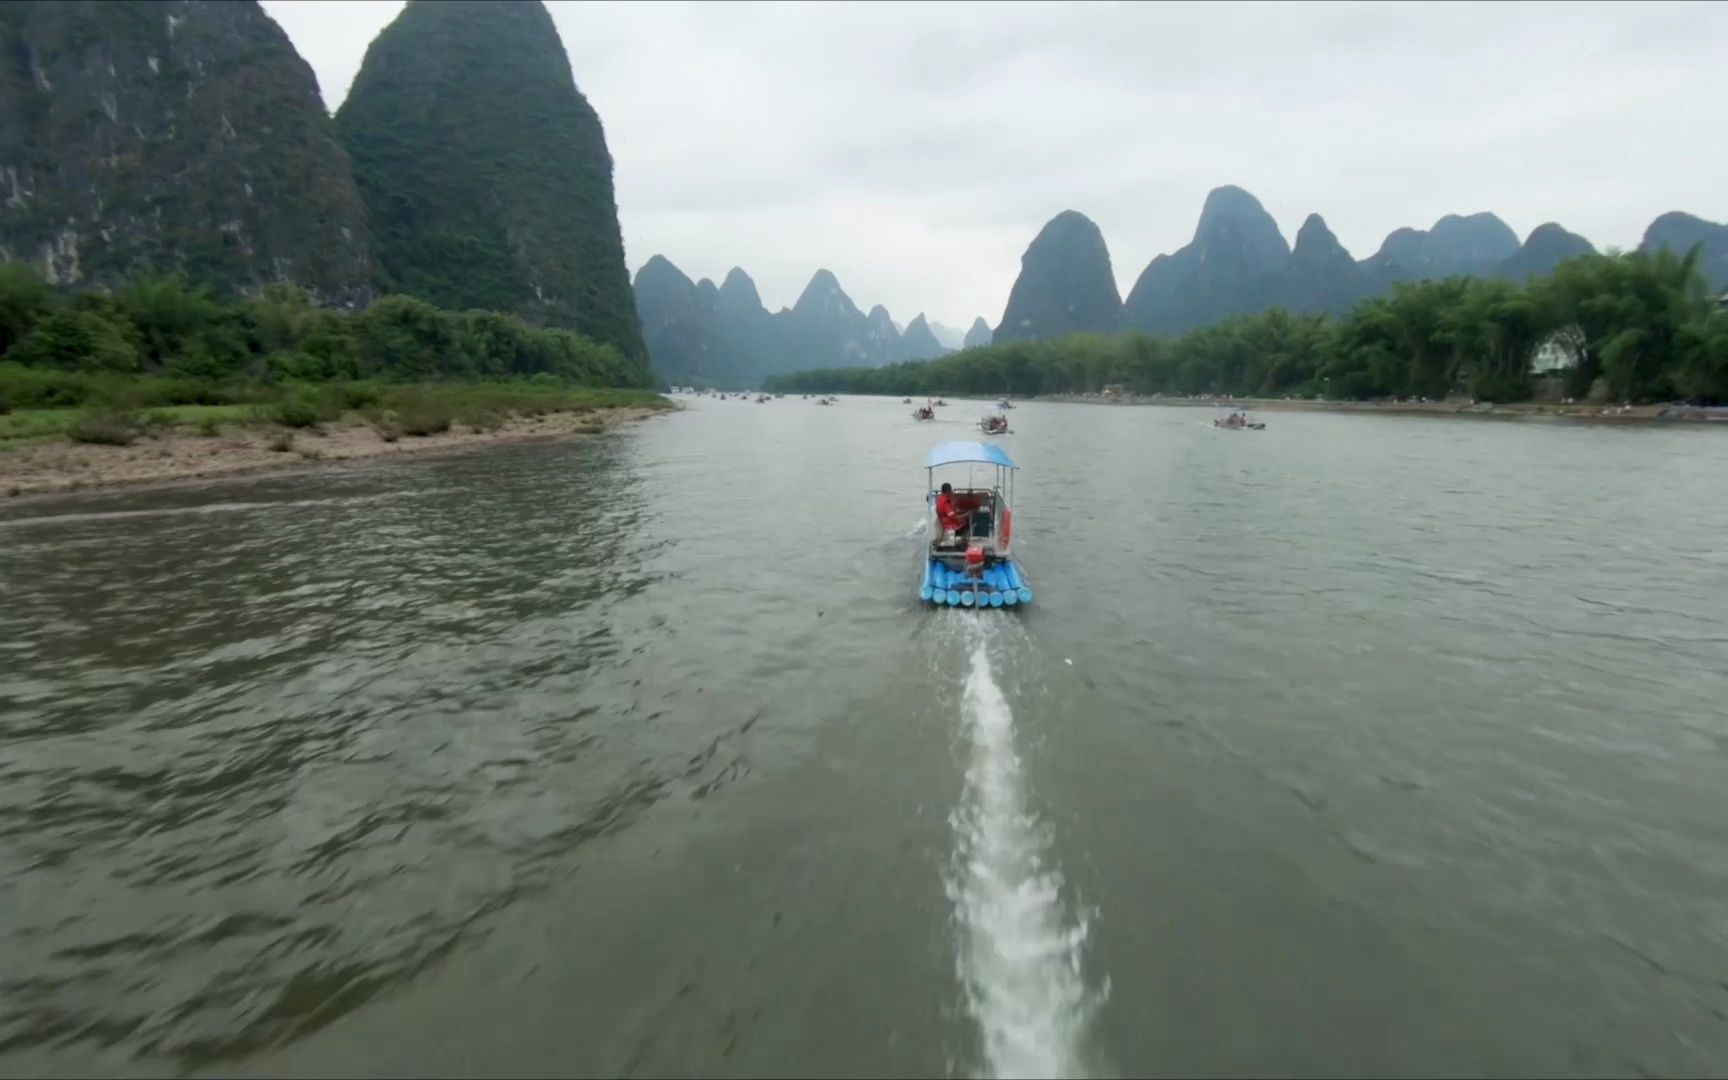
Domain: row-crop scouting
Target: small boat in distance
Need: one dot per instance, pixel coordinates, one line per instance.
(923, 412)
(993, 424)
(1004, 404)
(1238, 422)
(940, 402)
(967, 561)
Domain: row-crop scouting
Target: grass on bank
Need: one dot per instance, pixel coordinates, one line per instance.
(38, 405)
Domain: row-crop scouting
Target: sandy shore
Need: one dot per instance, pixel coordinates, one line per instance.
(62, 466)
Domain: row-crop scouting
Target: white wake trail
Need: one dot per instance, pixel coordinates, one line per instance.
(1020, 949)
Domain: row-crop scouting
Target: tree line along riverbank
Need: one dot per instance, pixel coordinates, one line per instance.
(130, 376)
(1625, 328)
(1538, 410)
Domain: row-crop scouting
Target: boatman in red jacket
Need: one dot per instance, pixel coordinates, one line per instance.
(954, 512)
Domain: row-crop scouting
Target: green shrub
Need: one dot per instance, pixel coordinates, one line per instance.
(155, 391)
(205, 345)
(105, 427)
(169, 315)
(408, 338)
(297, 411)
(209, 427)
(425, 418)
(1491, 386)
(332, 348)
(24, 299)
(481, 419)
(207, 360)
(282, 316)
(76, 341)
(343, 397)
(388, 430)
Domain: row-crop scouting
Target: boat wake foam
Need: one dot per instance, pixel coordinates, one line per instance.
(1020, 947)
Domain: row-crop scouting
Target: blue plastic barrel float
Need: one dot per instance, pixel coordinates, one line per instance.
(950, 583)
(997, 586)
(993, 582)
(933, 574)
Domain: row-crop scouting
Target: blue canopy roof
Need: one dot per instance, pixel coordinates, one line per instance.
(955, 453)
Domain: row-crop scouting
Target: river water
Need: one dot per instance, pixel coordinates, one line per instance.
(1360, 745)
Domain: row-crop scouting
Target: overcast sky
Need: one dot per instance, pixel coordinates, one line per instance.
(916, 149)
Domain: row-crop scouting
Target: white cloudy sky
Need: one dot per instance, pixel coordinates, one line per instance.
(915, 149)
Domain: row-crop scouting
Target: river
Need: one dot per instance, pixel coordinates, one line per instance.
(1356, 746)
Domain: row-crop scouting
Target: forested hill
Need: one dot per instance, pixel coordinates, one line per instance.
(705, 335)
(1639, 327)
(486, 171)
(181, 136)
(1065, 283)
(1238, 263)
(153, 137)
(1679, 232)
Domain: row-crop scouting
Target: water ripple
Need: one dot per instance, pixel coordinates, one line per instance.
(1414, 724)
(288, 712)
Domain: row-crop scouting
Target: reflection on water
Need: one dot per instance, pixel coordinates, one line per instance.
(262, 764)
(1357, 745)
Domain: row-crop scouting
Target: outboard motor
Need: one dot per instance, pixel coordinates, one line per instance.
(975, 561)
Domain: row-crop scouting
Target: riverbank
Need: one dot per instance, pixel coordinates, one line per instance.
(1513, 410)
(165, 455)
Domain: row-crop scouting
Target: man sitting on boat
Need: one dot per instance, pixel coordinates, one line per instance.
(954, 512)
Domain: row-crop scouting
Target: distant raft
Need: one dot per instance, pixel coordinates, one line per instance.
(968, 562)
